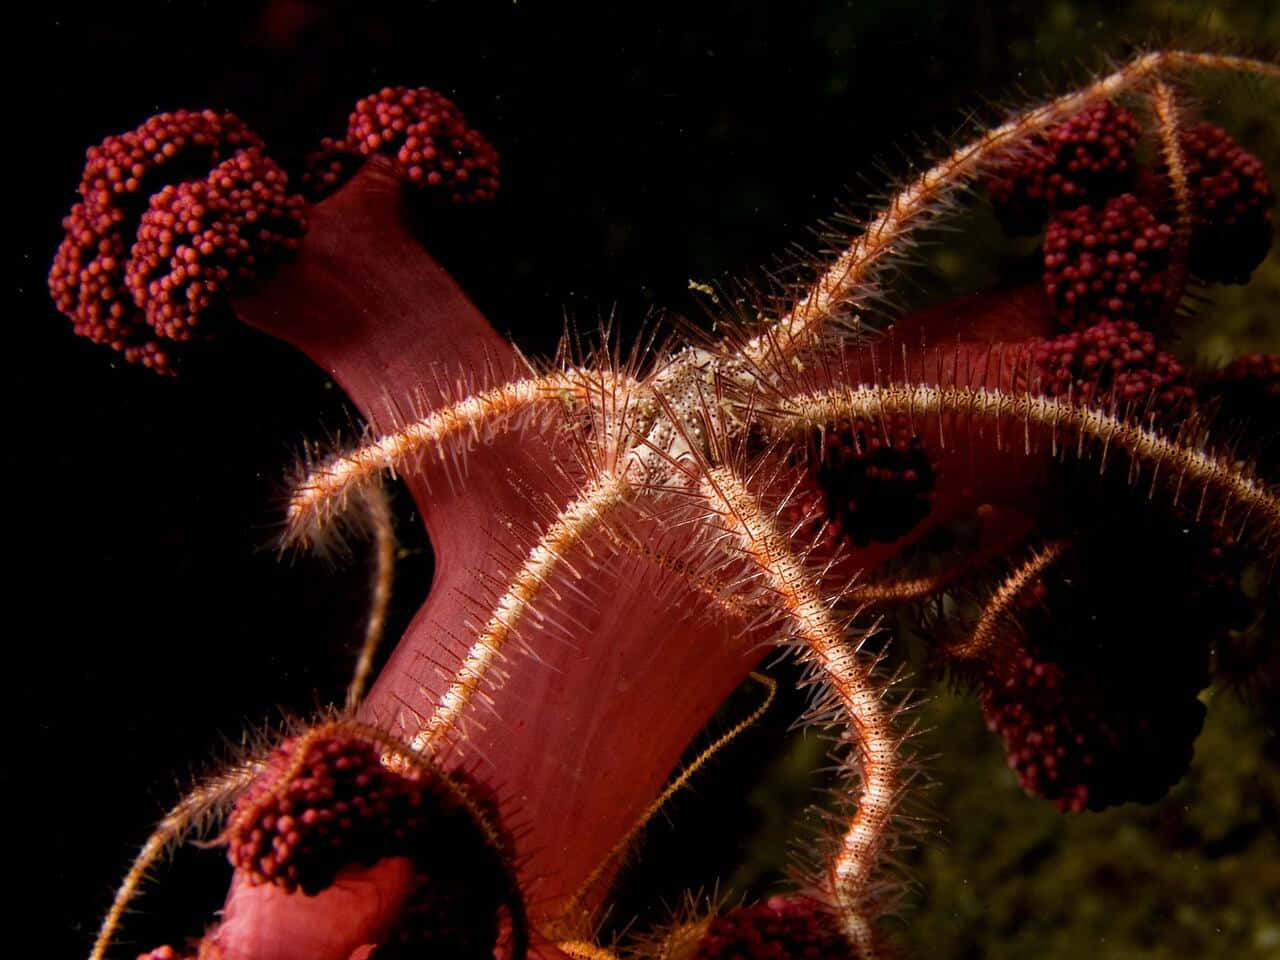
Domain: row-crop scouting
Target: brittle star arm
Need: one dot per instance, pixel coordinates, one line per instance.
(987, 630)
(584, 950)
(851, 871)
(206, 800)
(1169, 124)
(327, 489)
(602, 495)
(1175, 464)
(384, 562)
(851, 275)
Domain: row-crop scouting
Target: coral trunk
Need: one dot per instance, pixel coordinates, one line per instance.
(621, 683)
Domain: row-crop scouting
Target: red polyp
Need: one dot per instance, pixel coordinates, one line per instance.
(1257, 371)
(1231, 200)
(1084, 159)
(782, 928)
(1247, 393)
(1095, 689)
(331, 821)
(201, 238)
(427, 135)
(1106, 264)
(323, 804)
(371, 307)
(173, 217)
(1113, 362)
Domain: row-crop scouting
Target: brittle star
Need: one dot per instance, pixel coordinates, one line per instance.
(697, 438)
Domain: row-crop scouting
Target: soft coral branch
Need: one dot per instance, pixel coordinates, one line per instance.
(567, 652)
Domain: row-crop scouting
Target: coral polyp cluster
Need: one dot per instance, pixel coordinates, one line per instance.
(1079, 161)
(1231, 198)
(1107, 264)
(172, 218)
(1066, 683)
(426, 134)
(202, 239)
(328, 801)
(622, 537)
(781, 928)
(867, 480)
(320, 804)
(1113, 361)
(1120, 238)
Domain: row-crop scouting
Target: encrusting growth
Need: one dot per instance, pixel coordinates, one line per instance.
(669, 515)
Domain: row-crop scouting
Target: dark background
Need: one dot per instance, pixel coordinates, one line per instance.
(643, 147)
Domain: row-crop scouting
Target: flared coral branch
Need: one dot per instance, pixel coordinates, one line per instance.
(675, 786)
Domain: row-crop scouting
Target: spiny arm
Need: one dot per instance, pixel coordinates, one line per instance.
(851, 871)
(207, 799)
(384, 553)
(986, 630)
(851, 275)
(1173, 463)
(600, 497)
(325, 491)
